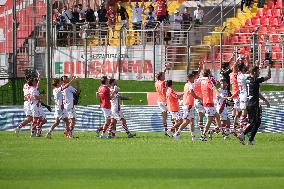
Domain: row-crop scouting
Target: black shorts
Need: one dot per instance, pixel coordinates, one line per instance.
(137, 25)
(161, 18)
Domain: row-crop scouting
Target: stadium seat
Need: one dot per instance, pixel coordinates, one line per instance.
(279, 4)
(260, 12)
(268, 13)
(256, 22)
(262, 30)
(235, 39)
(276, 48)
(275, 22)
(265, 21)
(249, 22)
(277, 13)
(274, 38)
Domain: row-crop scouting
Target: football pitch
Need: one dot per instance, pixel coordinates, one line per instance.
(149, 161)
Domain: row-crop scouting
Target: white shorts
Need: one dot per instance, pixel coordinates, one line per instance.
(237, 104)
(59, 113)
(70, 113)
(198, 106)
(163, 106)
(188, 113)
(36, 110)
(210, 111)
(27, 108)
(117, 115)
(243, 101)
(176, 115)
(224, 115)
(107, 113)
(41, 113)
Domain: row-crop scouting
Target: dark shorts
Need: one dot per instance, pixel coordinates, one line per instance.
(161, 18)
(137, 25)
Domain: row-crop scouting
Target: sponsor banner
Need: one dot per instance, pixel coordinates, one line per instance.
(139, 118)
(136, 62)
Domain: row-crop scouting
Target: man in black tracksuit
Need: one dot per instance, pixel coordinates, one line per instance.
(254, 120)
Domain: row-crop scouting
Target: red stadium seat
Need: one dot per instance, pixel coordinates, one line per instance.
(265, 21)
(260, 12)
(256, 22)
(274, 38)
(262, 30)
(277, 13)
(268, 13)
(249, 22)
(235, 39)
(279, 4)
(275, 22)
(276, 48)
(271, 30)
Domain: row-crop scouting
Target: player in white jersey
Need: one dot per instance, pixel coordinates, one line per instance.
(116, 111)
(27, 107)
(242, 84)
(34, 99)
(59, 111)
(68, 103)
(222, 108)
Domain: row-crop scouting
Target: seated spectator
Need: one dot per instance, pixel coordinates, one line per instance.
(198, 15)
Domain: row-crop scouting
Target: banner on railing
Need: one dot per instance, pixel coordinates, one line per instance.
(139, 118)
(136, 62)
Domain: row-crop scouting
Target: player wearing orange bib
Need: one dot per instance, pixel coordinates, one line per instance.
(188, 107)
(173, 106)
(162, 101)
(208, 87)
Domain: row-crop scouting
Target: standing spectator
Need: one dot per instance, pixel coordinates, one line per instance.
(268, 50)
(82, 13)
(242, 6)
(67, 14)
(102, 18)
(121, 11)
(198, 15)
(75, 14)
(177, 25)
(186, 19)
(161, 9)
(136, 17)
(111, 15)
(59, 21)
(90, 17)
(150, 20)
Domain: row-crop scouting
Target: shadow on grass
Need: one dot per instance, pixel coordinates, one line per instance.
(139, 173)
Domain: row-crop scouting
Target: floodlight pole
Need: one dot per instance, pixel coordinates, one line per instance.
(48, 49)
(14, 39)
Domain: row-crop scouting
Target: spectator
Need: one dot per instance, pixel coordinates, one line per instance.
(75, 14)
(186, 19)
(82, 13)
(198, 15)
(90, 14)
(150, 21)
(137, 17)
(161, 8)
(242, 6)
(268, 50)
(121, 11)
(177, 25)
(59, 22)
(102, 18)
(67, 14)
(111, 15)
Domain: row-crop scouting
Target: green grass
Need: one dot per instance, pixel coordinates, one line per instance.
(89, 88)
(148, 161)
